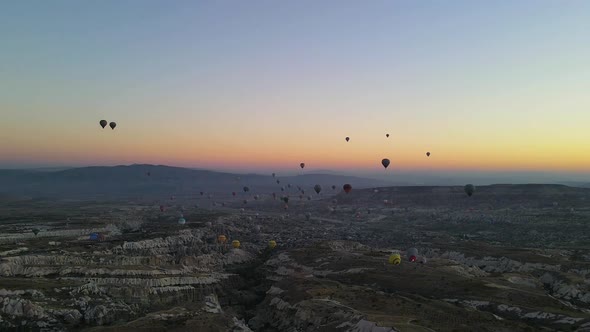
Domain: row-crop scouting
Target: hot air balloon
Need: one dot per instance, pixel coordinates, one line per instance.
(256, 197)
(387, 135)
(235, 244)
(273, 175)
(181, 221)
(395, 259)
(272, 244)
(288, 185)
(333, 187)
(246, 189)
(202, 193)
(286, 199)
(469, 189)
(162, 208)
(112, 125)
(412, 254)
(149, 174)
(427, 154)
(245, 202)
(221, 239)
(278, 181)
(302, 165)
(347, 138)
(309, 198)
(233, 193)
(36, 231)
(347, 188)
(103, 123)
(385, 162)
(93, 236)
(317, 188)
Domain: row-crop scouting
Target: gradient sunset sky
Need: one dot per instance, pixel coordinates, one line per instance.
(259, 85)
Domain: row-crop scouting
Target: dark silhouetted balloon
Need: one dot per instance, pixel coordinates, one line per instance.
(246, 189)
(347, 188)
(103, 123)
(347, 138)
(385, 162)
(112, 125)
(427, 154)
(469, 189)
(317, 188)
(302, 165)
(387, 135)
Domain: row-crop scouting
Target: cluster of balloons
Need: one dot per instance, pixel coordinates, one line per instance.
(103, 123)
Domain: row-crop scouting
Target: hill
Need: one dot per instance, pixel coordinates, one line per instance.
(154, 181)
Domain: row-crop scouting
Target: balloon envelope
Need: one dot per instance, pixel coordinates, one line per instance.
(385, 162)
(317, 188)
(103, 123)
(347, 188)
(469, 189)
(112, 125)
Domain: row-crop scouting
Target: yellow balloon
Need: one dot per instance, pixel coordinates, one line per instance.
(235, 244)
(395, 259)
(272, 244)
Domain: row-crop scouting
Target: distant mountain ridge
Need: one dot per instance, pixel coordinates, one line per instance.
(156, 180)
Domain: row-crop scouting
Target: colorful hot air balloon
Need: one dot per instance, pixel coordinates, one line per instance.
(347, 188)
(272, 244)
(317, 188)
(112, 125)
(302, 165)
(412, 254)
(395, 259)
(235, 244)
(103, 123)
(347, 138)
(385, 162)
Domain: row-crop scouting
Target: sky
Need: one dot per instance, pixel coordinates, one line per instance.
(485, 86)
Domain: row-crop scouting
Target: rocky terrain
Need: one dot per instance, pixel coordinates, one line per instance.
(510, 258)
